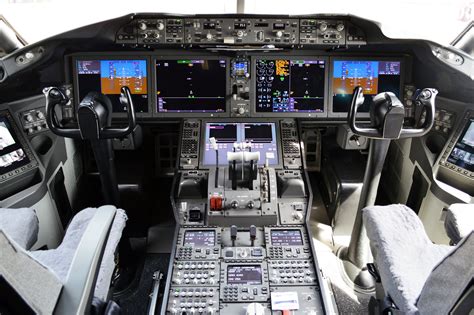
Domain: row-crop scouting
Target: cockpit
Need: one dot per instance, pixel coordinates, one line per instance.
(242, 164)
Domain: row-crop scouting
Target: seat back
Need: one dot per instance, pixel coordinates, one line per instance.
(449, 280)
(38, 287)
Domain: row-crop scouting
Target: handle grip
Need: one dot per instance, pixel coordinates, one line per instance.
(125, 98)
(426, 99)
(54, 97)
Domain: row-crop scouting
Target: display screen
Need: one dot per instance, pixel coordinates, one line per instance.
(109, 76)
(200, 238)
(372, 75)
(191, 86)
(12, 155)
(260, 136)
(463, 152)
(244, 274)
(290, 86)
(286, 237)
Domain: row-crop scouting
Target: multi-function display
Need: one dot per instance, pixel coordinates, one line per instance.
(372, 75)
(290, 86)
(286, 237)
(462, 154)
(12, 155)
(244, 274)
(191, 86)
(109, 76)
(200, 238)
(259, 137)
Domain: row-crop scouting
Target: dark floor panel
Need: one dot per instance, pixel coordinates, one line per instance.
(136, 299)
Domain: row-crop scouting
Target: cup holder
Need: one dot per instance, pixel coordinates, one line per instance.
(42, 144)
(435, 143)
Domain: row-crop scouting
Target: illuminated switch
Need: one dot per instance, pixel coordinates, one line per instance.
(215, 202)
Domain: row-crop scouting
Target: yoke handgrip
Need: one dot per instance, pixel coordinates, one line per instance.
(125, 97)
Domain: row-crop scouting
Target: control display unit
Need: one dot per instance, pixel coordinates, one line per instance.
(244, 274)
(290, 86)
(462, 154)
(199, 238)
(374, 76)
(12, 154)
(191, 85)
(107, 76)
(286, 237)
(257, 136)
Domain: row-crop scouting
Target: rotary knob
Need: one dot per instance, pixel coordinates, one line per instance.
(340, 27)
(323, 27)
(28, 117)
(156, 35)
(160, 26)
(241, 110)
(142, 26)
(279, 34)
(251, 204)
(40, 115)
(240, 34)
(209, 36)
(234, 204)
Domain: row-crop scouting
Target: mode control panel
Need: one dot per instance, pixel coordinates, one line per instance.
(244, 281)
(242, 31)
(34, 121)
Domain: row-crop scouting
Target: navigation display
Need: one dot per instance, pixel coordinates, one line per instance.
(259, 136)
(200, 238)
(372, 75)
(462, 154)
(108, 77)
(12, 155)
(290, 86)
(244, 274)
(286, 237)
(191, 86)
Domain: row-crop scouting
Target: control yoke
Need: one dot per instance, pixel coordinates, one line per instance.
(387, 115)
(94, 120)
(93, 115)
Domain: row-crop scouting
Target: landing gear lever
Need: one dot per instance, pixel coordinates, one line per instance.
(94, 119)
(387, 116)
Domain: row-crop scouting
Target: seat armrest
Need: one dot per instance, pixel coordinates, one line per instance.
(459, 221)
(78, 289)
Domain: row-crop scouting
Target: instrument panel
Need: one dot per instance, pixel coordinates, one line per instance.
(252, 85)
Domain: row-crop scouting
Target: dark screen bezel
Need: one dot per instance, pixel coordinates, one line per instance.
(331, 113)
(197, 231)
(156, 113)
(112, 57)
(237, 121)
(241, 266)
(252, 94)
